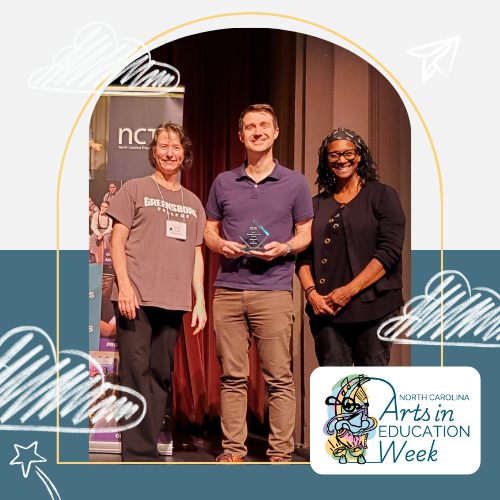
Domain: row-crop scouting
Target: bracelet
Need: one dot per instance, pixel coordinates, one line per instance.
(309, 290)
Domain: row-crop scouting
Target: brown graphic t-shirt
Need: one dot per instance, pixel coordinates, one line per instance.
(160, 268)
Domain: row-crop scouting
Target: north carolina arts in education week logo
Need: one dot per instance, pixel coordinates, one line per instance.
(350, 427)
(411, 421)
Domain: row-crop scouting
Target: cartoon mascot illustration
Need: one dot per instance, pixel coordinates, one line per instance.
(350, 425)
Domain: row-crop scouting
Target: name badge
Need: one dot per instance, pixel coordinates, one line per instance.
(176, 229)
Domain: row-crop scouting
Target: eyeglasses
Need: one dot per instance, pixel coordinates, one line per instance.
(349, 155)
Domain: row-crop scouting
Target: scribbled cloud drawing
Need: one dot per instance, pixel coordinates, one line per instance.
(29, 455)
(94, 55)
(437, 56)
(471, 317)
(30, 391)
(138, 74)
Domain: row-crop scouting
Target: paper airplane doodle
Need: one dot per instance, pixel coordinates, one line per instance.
(28, 454)
(31, 392)
(470, 317)
(95, 54)
(437, 56)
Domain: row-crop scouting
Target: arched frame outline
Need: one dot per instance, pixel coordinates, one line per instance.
(96, 90)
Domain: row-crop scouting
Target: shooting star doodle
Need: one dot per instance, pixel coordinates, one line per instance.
(29, 452)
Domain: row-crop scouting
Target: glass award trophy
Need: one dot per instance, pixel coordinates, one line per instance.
(254, 237)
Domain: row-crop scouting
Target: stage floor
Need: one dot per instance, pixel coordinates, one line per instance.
(189, 447)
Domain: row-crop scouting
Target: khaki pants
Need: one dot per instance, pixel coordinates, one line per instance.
(267, 315)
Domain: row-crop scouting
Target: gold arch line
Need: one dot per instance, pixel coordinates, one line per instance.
(231, 15)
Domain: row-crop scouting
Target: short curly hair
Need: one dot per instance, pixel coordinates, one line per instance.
(186, 144)
(367, 168)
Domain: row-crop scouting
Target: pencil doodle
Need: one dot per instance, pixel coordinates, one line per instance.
(470, 317)
(95, 54)
(22, 450)
(136, 71)
(437, 56)
(30, 390)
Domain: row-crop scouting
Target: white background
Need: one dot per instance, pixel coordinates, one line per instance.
(455, 455)
(460, 110)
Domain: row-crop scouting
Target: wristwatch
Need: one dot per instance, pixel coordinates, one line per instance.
(290, 249)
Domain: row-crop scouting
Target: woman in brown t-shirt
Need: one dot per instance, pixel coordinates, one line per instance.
(157, 257)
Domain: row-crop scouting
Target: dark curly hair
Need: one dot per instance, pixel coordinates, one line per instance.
(367, 168)
(172, 128)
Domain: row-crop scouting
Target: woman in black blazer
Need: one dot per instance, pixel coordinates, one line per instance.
(351, 273)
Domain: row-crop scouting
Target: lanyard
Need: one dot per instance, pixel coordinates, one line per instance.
(162, 199)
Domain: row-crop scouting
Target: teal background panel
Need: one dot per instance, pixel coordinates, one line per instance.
(28, 297)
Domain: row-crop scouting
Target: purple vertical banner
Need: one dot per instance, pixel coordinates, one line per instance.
(108, 344)
(132, 122)
(131, 125)
(107, 257)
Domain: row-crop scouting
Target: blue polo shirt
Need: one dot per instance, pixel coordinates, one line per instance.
(277, 203)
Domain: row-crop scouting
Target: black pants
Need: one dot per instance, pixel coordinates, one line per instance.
(147, 345)
(347, 344)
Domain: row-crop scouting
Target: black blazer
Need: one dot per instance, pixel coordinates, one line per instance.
(374, 224)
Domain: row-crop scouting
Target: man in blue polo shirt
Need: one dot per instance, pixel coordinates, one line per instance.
(253, 295)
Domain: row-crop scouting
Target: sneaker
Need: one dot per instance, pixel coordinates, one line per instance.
(276, 460)
(227, 457)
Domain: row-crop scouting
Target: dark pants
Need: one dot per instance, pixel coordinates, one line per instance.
(347, 344)
(147, 345)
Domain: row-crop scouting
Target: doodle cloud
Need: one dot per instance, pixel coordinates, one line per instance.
(33, 385)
